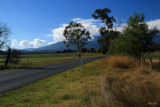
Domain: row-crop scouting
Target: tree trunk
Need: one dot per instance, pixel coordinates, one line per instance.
(6, 63)
(144, 61)
(139, 57)
(79, 55)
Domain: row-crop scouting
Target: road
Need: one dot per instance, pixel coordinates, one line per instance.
(12, 80)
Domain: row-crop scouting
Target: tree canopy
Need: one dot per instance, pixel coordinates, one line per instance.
(4, 33)
(76, 34)
(136, 38)
(106, 32)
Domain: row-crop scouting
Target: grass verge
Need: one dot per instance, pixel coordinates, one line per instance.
(97, 84)
(45, 59)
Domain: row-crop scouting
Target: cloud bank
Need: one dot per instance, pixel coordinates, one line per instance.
(151, 24)
(89, 24)
(32, 44)
(154, 23)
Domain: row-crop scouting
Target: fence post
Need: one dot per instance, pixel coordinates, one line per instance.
(151, 64)
(80, 59)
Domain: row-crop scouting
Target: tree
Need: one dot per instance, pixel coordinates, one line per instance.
(15, 57)
(91, 50)
(136, 38)
(107, 33)
(7, 58)
(76, 34)
(84, 50)
(4, 33)
(122, 45)
(141, 34)
(152, 48)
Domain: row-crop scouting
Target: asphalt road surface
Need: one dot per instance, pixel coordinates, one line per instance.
(12, 80)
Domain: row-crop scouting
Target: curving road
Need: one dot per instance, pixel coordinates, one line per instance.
(11, 80)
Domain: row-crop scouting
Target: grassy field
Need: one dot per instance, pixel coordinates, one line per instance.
(111, 81)
(154, 55)
(31, 60)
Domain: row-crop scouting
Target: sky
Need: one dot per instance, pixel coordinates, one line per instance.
(36, 23)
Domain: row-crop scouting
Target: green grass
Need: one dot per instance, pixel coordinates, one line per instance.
(89, 86)
(32, 60)
(63, 89)
(154, 55)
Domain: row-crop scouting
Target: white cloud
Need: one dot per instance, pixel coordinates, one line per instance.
(50, 43)
(154, 23)
(57, 33)
(25, 44)
(89, 24)
(14, 43)
(32, 44)
(151, 24)
(121, 27)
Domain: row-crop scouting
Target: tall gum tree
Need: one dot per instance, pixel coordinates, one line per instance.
(107, 32)
(75, 34)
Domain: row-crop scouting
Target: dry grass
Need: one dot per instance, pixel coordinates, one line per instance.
(132, 90)
(125, 62)
(137, 86)
(120, 61)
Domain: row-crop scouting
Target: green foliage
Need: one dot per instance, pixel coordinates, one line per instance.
(15, 57)
(103, 15)
(107, 36)
(136, 38)
(76, 34)
(107, 33)
(122, 45)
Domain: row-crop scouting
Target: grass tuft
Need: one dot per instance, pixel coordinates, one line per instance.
(66, 96)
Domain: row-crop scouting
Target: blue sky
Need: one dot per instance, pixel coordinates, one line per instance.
(35, 23)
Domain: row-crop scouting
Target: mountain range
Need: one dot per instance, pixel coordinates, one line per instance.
(60, 46)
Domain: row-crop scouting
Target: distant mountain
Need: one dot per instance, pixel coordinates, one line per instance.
(60, 46)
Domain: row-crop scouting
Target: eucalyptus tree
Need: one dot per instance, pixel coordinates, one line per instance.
(107, 32)
(136, 37)
(75, 34)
